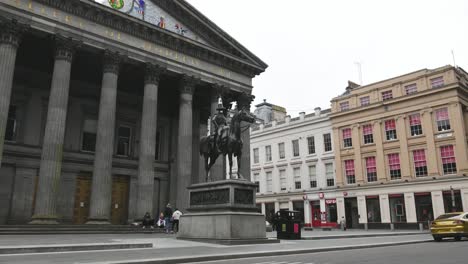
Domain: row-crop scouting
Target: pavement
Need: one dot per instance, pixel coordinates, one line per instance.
(165, 248)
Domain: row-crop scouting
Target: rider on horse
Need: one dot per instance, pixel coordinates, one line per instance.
(220, 123)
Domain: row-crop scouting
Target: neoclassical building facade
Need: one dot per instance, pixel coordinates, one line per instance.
(293, 162)
(102, 106)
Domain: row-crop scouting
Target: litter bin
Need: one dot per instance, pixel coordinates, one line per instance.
(288, 225)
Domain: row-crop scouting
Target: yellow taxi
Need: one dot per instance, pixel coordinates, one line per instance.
(450, 225)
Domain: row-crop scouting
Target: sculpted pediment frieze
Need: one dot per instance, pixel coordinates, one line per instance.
(150, 12)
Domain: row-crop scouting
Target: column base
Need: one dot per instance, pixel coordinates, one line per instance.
(98, 222)
(44, 220)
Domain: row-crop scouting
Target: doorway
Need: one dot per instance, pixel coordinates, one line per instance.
(82, 199)
(351, 212)
(316, 214)
(119, 205)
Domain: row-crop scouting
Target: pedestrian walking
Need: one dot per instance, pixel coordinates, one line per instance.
(175, 220)
(168, 218)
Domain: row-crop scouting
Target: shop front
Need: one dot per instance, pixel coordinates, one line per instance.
(316, 213)
(397, 208)
(331, 215)
(452, 201)
(424, 209)
(324, 215)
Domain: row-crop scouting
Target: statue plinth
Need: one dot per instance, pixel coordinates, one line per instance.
(224, 212)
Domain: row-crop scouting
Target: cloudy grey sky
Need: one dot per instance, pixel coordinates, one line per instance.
(311, 47)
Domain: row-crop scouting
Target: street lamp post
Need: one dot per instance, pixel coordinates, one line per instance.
(452, 192)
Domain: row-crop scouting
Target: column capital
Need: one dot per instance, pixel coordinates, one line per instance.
(400, 117)
(218, 89)
(187, 84)
(111, 61)
(65, 48)
(426, 111)
(153, 73)
(11, 32)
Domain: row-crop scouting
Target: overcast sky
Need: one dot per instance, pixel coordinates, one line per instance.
(311, 47)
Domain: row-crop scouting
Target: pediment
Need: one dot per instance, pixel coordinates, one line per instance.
(150, 12)
(179, 17)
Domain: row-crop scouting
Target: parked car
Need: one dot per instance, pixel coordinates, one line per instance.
(450, 225)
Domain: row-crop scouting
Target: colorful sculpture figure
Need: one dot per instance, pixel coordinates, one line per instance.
(161, 23)
(116, 4)
(180, 29)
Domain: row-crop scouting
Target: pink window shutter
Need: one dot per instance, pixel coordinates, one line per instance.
(347, 133)
(419, 157)
(367, 129)
(390, 125)
(442, 114)
(415, 120)
(394, 161)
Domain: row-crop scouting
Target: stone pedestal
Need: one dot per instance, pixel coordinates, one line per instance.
(223, 212)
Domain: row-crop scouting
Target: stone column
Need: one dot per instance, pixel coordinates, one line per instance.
(459, 129)
(380, 156)
(437, 203)
(464, 196)
(148, 141)
(410, 208)
(340, 208)
(307, 213)
(362, 209)
(384, 208)
(52, 148)
(164, 195)
(405, 161)
(245, 159)
(358, 168)
(101, 190)
(184, 142)
(431, 154)
(10, 36)
(339, 173)
(218, 171)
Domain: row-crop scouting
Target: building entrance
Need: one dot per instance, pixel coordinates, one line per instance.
(351, 211)
(119, 206)
(316, 214)
(82, 196)
(424, 209)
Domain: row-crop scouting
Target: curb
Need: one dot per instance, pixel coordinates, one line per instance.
(69, 248)
(363, 235)
(263, 253)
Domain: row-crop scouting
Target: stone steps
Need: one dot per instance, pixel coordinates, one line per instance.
(74, 229)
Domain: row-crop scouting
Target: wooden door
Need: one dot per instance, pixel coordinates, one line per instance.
(82, 199)
(119, 206)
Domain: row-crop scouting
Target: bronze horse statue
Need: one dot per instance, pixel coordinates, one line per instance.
(231, 145)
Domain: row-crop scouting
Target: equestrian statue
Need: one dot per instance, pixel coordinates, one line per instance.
(226, 139)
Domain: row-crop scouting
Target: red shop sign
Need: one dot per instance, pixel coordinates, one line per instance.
(330, 201)
(321, 195)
